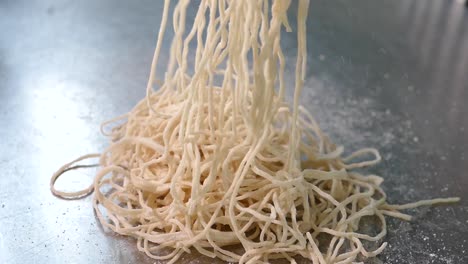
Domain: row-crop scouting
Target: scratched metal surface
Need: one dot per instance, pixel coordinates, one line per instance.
(390, 74)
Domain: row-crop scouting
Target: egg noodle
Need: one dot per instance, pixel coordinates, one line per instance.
(216, 157)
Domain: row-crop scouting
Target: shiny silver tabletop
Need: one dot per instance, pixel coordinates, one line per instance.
(390, 74)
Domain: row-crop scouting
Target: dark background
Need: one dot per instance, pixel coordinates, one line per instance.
(390, 74)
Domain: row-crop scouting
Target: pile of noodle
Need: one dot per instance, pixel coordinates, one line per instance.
(201, 164)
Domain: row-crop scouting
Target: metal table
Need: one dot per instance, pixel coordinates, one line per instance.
(390, 74)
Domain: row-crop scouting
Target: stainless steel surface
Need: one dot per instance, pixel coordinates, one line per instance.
(391, 74)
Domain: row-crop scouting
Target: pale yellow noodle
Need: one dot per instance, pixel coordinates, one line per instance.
(216, 157)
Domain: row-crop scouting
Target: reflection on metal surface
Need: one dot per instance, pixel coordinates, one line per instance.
(438, 35)
(3, 250)
(394, 77)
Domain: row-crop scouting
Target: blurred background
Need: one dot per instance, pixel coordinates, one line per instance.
(390, 74)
